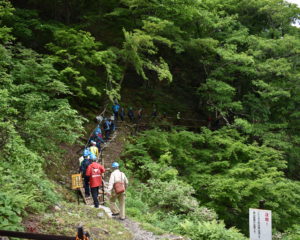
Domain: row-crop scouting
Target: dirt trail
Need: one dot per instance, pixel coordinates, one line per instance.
(112, 151)
(114, 148)
(140, 234)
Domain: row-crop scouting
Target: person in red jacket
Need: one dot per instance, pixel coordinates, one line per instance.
(95, 171)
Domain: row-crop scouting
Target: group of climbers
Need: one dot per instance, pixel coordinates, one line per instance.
(119, 111)
(135, 116)
(92, 171)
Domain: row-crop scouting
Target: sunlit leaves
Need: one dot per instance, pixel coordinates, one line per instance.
(137, 46)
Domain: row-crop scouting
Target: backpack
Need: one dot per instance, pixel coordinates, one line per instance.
(84, 165)
(130, 113)
(106, 125)
(119, 187)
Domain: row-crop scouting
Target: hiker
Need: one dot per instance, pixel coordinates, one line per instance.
(112, 126)
(98, 139)
(177, 122)
(209, 121)
(97, 130)
(122, 114)
(106, 127)
(94, 149)
(95, 134)
(140, 114)
(217, 123)
(85, 153)
(94, 172)
(115, 109)
(154, 112)
(99, 119)
(130, 114)
(83, 167)
(118, 183)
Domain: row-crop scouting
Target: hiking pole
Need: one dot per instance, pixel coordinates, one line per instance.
(78, 196)
(103, 194)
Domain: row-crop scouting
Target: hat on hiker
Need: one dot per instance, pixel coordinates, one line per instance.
(115, 165)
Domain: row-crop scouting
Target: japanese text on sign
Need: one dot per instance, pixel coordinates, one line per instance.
(260, 224)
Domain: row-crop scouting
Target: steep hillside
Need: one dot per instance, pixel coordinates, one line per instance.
(217, 82)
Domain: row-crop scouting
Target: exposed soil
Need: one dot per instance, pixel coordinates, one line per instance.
(114, 148)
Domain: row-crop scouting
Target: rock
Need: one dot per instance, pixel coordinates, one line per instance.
(62, 182)
(4, 238)
(60, 221)
(106, 210)
(173, 237)
(96, 231)
(57, 208)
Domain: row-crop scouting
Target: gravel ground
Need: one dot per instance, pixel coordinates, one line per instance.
(137, 232)
(140, 234)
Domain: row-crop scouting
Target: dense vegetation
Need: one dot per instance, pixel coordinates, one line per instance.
(234, 61)
(220, 170)
(34, 119)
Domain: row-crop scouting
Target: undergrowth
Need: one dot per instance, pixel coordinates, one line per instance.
(66, 217)
(198, 185)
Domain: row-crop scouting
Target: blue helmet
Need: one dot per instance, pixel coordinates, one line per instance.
(97, 130)
(86, 152)
(115, 165)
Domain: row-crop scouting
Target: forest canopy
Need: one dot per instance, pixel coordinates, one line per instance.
(235, 62)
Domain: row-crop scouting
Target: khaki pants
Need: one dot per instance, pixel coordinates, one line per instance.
(113, 206)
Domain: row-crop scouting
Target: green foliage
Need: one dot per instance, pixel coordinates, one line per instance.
(210, 230)
(228, 174)
(171, 195)
(9, 213)
(74, 52)
(35, 119)
(238, 59)
(292, 233)
(161, 210)
(6, 10)
(137, 46)
(220, 96)
(108, 59)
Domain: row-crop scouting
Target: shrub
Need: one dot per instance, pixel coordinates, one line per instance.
(210, 231)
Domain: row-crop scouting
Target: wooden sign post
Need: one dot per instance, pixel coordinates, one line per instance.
(77, 184)
(76, 181)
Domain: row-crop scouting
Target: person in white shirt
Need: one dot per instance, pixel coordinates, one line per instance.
(117, 178)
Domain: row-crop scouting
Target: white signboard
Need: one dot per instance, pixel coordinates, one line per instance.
(260, 224)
